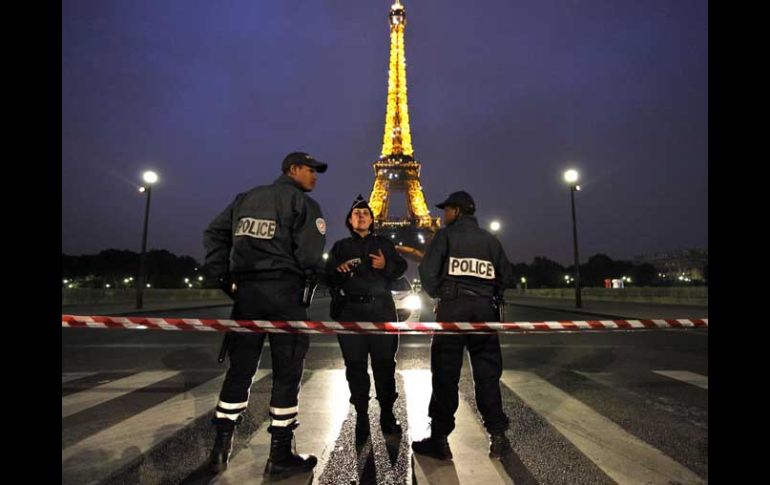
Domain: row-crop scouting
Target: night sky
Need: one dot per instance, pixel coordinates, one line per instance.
(504, 95)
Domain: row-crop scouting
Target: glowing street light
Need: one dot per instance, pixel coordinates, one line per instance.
(494, 226)
(571, 177)
(149, 178)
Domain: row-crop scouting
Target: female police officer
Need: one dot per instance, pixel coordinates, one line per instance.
(360, 270)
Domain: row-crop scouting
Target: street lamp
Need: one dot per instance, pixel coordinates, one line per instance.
(571, 177)
(150, 178)
(494, 226)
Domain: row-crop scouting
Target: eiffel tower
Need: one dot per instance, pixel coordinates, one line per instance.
(396, 171)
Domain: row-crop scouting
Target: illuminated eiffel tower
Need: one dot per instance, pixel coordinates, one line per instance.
(396, 171)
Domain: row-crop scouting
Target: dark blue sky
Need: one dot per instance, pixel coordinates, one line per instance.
(504, 95)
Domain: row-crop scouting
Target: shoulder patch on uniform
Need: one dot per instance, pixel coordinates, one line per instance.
(321, 225)
(256, 228)
(477, 268)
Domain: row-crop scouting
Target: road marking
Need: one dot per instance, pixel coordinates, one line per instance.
(623, 457)
(469, 442)
(71, 376)
(633, 387)
(88, 398)
(686, 376)
(323, 407)
(96, 457)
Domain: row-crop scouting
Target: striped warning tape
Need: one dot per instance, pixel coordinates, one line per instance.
(307, 326)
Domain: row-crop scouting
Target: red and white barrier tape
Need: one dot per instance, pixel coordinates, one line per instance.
(303, 326)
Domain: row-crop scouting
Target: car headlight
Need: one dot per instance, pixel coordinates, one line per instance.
(413, 302)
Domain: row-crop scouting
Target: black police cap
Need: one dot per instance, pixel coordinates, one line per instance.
(302, 158)
(461, 199)
(359, 203)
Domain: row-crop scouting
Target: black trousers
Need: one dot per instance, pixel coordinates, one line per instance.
(356, 350)
(446, 360)
(275, 299)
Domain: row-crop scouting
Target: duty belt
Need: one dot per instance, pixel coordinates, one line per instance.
(362, 298)
(466, 293)
(274, 274)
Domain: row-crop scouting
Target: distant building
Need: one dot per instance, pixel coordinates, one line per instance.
(686, 263)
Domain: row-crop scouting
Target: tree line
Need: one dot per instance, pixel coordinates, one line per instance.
(120, 269)
(165, 270)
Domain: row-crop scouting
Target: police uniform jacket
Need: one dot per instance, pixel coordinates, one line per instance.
(467, 255)
(364, 280)
(268, 229)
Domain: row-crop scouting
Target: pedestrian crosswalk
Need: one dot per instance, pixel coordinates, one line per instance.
(686, 376)
(554, 416)
(623, 457)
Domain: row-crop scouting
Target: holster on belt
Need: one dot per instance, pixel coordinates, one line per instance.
(499, 302)
(335, 307)
(311, 283)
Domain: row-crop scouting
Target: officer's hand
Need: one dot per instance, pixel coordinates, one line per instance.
(378, 261)
(345, 267)
(227, 285)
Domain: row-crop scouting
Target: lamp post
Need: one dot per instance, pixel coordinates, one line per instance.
(571, 177)
(150, 178)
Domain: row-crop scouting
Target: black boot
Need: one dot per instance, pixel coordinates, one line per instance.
(284, 461)
(436, 446)
(388, 421)
(499, 445)
(362, 424)
(223, 444)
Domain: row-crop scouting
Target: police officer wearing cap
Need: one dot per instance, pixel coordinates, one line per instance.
(360, 270)
(262, 248)
(464, 267)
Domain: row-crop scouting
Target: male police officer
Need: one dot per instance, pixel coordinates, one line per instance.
(262, 248)
(360, 270)
(464, 267)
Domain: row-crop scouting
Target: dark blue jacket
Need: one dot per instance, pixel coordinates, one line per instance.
(364, 280)
(270, 228)
(464, 253)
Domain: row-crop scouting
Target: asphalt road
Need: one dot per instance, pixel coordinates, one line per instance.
(585, 407)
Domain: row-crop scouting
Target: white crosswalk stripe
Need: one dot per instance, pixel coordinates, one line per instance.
(75, 403)
(686, 376)
(71, 376)
(468, 442)
(322, 410)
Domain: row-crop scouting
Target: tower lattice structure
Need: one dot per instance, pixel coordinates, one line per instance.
(396, 171)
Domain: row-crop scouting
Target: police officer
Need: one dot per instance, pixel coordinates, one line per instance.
(464, 267)
(262, 248)
(360, 270)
